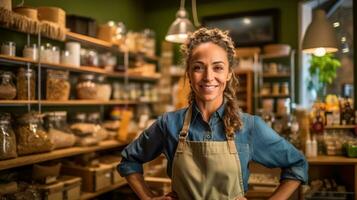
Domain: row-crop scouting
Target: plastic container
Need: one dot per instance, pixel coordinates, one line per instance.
(46, 53)
(7, 86)
(86, 87)
(8, 48)
(75, 52)
(7, 138)
(52, 191)
(31, 137)
(26, 84)
(57, 85)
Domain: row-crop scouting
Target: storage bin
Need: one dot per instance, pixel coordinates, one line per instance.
(93, 178)
(82, 25)
(72, 187)
(52, 191)
(113, 161)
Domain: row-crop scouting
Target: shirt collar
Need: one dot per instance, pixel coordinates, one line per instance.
(219, 112)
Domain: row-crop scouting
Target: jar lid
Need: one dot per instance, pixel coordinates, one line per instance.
(101, 78)
(7, 74)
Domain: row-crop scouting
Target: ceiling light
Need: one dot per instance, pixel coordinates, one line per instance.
(247, 21)
(319, 35)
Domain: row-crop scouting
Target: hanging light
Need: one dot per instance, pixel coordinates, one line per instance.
(182, 26)
(319, 37)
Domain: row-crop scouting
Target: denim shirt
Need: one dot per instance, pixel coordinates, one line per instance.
(254, 141)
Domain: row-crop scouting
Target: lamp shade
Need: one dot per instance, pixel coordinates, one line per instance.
(319, 35)
(179, 29)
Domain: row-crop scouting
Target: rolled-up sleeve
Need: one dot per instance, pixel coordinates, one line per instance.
(145, 148)
(271, 150)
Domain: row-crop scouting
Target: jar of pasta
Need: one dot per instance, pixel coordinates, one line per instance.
(57, 85)
(7, 86)
(86, 87)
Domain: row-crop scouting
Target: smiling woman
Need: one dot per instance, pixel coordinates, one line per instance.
(210, 143)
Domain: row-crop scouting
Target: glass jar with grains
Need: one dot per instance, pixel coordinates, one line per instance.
(31, 138)
(104, 89)
(86, 87)
(7, 137)
(57, 85)
(26, 84)
(7, 86)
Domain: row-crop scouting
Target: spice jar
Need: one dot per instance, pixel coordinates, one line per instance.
(57, 85)
(7, 138)
(31, 52)
(7, 87)
(26, 84)
(86, 87)
(104, 89)
(285, 88)
(8, 48)
(31, 138)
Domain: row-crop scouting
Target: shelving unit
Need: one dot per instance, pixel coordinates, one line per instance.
(245, 90)
(56, 154)
(91, 195)
(74, 102)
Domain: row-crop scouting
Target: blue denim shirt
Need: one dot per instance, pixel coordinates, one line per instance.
(255, 141)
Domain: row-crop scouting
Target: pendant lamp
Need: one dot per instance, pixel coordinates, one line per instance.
(320, 37)
(182, 26)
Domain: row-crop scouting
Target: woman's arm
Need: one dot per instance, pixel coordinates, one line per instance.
(286, 188)
(137, 183)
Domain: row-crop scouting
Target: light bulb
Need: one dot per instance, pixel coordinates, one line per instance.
(247, 21)
(319, 52)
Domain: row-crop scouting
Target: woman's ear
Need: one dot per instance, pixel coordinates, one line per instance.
(230, 74)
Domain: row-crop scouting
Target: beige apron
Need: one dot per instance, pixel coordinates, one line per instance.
(206, 170)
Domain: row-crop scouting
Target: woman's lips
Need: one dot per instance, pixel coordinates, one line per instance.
(208, 88)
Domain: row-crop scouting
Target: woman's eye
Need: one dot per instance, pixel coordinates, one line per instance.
(218, 68)
(197, 68)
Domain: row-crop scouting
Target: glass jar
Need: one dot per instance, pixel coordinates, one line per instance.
(31, 137)
(7, 138)
(104, 89)
(55, 54)
(275, 90)
(57, 85)
(26, 84)
(285, 88)
(86, 87)
(149, 45)
(7, 86)
(46, 53)
(66, 58)
(30, 52)
(8, 48)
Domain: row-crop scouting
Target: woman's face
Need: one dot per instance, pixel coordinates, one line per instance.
(209, 72)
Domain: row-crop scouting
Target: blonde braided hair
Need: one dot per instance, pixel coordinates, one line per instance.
(231, 118)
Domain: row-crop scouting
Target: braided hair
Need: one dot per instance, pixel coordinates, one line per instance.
(231, 118)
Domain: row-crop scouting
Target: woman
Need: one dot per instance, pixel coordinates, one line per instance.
(209, 144)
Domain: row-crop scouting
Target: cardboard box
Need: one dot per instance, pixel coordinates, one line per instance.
(93, 178)
(53, 191)
(72, 187)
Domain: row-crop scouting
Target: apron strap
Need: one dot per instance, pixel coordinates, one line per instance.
(184, 131)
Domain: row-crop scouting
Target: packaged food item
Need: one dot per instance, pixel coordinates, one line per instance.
(57, 85)
(104, 89)
(31, 138)
(285, 88)
(99, 132)
(7, 86)
(26, 84)
(31, 52)
(8, 48)
(43, 173)
(86, 141)
(89, 57)
(83, 129)
(7, 138)
(86, 87)
(58, 130)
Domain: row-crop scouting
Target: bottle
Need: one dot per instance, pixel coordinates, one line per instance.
(308, 148)
(313, 147)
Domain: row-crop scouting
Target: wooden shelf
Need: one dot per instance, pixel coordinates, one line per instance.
(87, 69)
(91, 195)
(56, 154)
(90, 40)
(281, 75)
(274, 96)
(340, 126)
(74, 102)
(331, 160)
(271, 56)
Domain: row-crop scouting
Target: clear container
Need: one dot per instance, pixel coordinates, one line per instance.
(7, 138)
(8, 48)
(30, 52)
(284, 88)
(57, 85)
(89, 57)
(26, 84)
(31, 137)
(46, 53)
(7, 86)
(66, 58)
(86, 87)
(56, 54)
(104, 89)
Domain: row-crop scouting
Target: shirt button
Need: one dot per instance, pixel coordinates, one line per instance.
(208, 137)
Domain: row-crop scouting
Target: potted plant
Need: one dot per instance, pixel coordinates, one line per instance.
(322, 72)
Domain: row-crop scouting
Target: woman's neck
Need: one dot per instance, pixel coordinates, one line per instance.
(207, 108)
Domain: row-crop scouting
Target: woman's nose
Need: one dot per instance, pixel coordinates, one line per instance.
(208, 75)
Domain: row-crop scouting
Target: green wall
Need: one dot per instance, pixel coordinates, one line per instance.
(128, 11)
